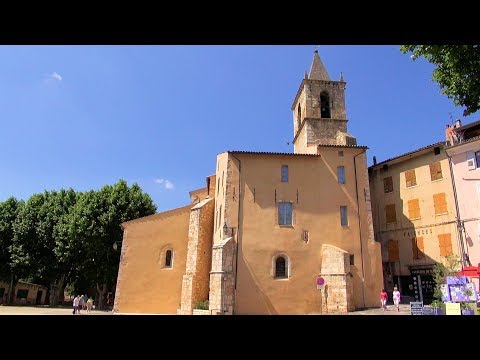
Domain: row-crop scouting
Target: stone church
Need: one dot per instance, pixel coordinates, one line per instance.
(265, 227)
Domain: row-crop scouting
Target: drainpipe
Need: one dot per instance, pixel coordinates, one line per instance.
(459, 220)
(240, 194)
(359, 225)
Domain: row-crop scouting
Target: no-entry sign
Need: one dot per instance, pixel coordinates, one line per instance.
(320, 282)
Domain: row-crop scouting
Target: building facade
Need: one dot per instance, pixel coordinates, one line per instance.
(463, 151)
(414, 217)
(265, 227)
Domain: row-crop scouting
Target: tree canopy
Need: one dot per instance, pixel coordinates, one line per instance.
(457, 71)
(60, 238)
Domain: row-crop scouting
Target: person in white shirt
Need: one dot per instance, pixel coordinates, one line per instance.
(396, 298)
(75, 304)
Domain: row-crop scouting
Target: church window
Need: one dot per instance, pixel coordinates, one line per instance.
(168, 258)
(341, 174)
(284, 173)
(299, 117)
(281, 267)
(285, 213)
(324, 105)
(343, 216)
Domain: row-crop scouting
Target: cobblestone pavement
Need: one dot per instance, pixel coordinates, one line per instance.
(44, 310)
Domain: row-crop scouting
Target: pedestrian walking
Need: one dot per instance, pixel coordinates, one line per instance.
(383, 299)
(396, 298)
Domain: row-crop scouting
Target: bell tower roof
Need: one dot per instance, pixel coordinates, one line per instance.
(317, 70)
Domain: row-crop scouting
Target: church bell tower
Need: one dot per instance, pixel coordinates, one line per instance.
(319, 116)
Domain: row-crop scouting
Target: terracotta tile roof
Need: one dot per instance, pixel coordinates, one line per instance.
(440, 144)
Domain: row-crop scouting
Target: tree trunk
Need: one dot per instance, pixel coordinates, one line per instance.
(101, 293)
(53, 293)
(11, 290)
(55, 288)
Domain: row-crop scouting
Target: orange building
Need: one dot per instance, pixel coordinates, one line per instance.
(265, 227)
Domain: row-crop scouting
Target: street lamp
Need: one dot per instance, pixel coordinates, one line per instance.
(225, 230)
(117, 245)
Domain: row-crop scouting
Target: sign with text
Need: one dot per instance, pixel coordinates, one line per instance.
(320, 282)
(416, 308)
(428, 271)
(452, 309)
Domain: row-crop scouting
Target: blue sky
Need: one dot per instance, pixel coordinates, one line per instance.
(86, 116)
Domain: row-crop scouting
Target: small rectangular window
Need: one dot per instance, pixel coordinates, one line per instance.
(390, 213)
(436, 171)
(445, 244)
(477, 158)
(343, 216)
(417, 248)
(352, 259)
(341, 174)
(393, 251)
(440, 204)
(340, 153)
(22, 294)
(387, 185)
(413, 209)
(284, 173)
(410, 178)
(284, 213)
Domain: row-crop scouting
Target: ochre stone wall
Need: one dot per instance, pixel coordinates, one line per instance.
(222, 287)
(338, 290)
(144, 284)
(195, 284)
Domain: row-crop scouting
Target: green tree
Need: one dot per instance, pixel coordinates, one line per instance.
(441, 270)
(36, 243)
(98, 216)
(457, 71)
(9, 210)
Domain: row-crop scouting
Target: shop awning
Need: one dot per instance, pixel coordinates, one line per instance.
(470, 271)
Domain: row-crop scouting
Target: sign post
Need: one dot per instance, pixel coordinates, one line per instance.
(320, 283)
(416, 308)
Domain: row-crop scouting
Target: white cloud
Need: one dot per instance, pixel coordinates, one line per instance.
(52, 78)
(166, 183)
(56, 76)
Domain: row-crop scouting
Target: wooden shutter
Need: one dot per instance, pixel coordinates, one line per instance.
(436, 171)
(440, 203)
(445, 244)
(417, 248)
(393, 253)
(420, 248)
(390, 213)
(410, 178)
(387, 185)
(413, 209)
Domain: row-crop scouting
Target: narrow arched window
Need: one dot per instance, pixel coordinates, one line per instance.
(299, 117)
(168, 259)
(281, 268)
(324, 105)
